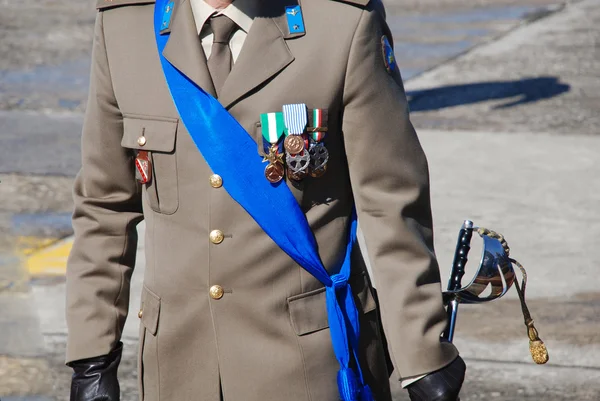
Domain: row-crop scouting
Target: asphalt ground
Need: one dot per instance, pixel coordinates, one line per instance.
(509, 128)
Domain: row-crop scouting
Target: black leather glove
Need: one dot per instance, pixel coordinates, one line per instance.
(95, 379)
(441, 385)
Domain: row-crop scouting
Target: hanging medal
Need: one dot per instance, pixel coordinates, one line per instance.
(295, 119)
(143, 167)
(273, 129)
(297, 158)
(298, 165)
(319, 155)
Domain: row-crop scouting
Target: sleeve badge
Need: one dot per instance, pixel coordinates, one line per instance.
(388, 55)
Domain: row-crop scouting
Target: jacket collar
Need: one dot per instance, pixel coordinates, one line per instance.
(265, 52)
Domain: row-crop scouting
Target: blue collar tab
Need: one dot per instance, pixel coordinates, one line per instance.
(294, 19)
(167, 15)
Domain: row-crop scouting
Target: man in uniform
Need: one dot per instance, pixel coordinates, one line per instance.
(225, 313)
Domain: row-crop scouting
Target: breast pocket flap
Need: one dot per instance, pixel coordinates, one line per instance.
(147, 133)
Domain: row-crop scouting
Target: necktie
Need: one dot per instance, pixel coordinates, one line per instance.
(220, 60)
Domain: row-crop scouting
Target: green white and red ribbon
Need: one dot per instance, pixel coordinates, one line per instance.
(319, 121)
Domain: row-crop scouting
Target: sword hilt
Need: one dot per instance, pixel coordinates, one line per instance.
(461, 253)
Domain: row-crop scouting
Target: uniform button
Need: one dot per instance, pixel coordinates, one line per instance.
(216, 236)
(216, 181)
(141, 141)
(140, 313)
(216, 292)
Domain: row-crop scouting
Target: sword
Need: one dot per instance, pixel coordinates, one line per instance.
(463, 246)
(494, 274)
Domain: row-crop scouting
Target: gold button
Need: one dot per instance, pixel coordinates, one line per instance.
(216, 236)
(216, 292)
(141, 140)
(216, 181)
(140, 313)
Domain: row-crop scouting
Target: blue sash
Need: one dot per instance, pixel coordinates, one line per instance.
(223, 142)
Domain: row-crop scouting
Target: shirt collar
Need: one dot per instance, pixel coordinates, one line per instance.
(242, 12)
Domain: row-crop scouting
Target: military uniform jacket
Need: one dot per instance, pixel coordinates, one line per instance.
(231, 316)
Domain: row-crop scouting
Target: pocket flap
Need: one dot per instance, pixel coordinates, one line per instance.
(308, 311)
(159, 133)
(150, 310)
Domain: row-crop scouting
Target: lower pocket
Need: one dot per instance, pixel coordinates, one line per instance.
(308, 311)
(148, 356)
(140, 363)
(308, 316)
(149, 388)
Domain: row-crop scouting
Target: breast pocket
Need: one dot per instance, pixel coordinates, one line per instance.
(157, 136)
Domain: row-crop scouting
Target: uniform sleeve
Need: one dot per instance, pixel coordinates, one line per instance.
(107, 209)
(390, 183)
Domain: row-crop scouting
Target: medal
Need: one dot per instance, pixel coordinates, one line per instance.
(294, 144)
(143, 167)
(295, 118)
(298, 165)
(319, 156)
(273, 128)
(274, 171)
(267, 146)
(273, 156)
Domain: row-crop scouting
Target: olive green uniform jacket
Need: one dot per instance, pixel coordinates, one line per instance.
(265, 337)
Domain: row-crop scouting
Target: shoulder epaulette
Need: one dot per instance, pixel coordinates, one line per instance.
(361, 3)
(104, 4)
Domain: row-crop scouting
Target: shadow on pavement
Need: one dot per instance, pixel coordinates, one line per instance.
(515, 92)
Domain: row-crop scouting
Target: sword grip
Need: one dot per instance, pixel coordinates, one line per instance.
(463, 247)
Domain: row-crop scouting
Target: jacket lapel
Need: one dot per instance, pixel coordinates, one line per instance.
(264, 54)
(184, 49)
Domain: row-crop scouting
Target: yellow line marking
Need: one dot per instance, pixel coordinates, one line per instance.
(51, 260)
(29, 245)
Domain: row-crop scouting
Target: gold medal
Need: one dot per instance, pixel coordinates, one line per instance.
(274, 172)
(294, 144)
